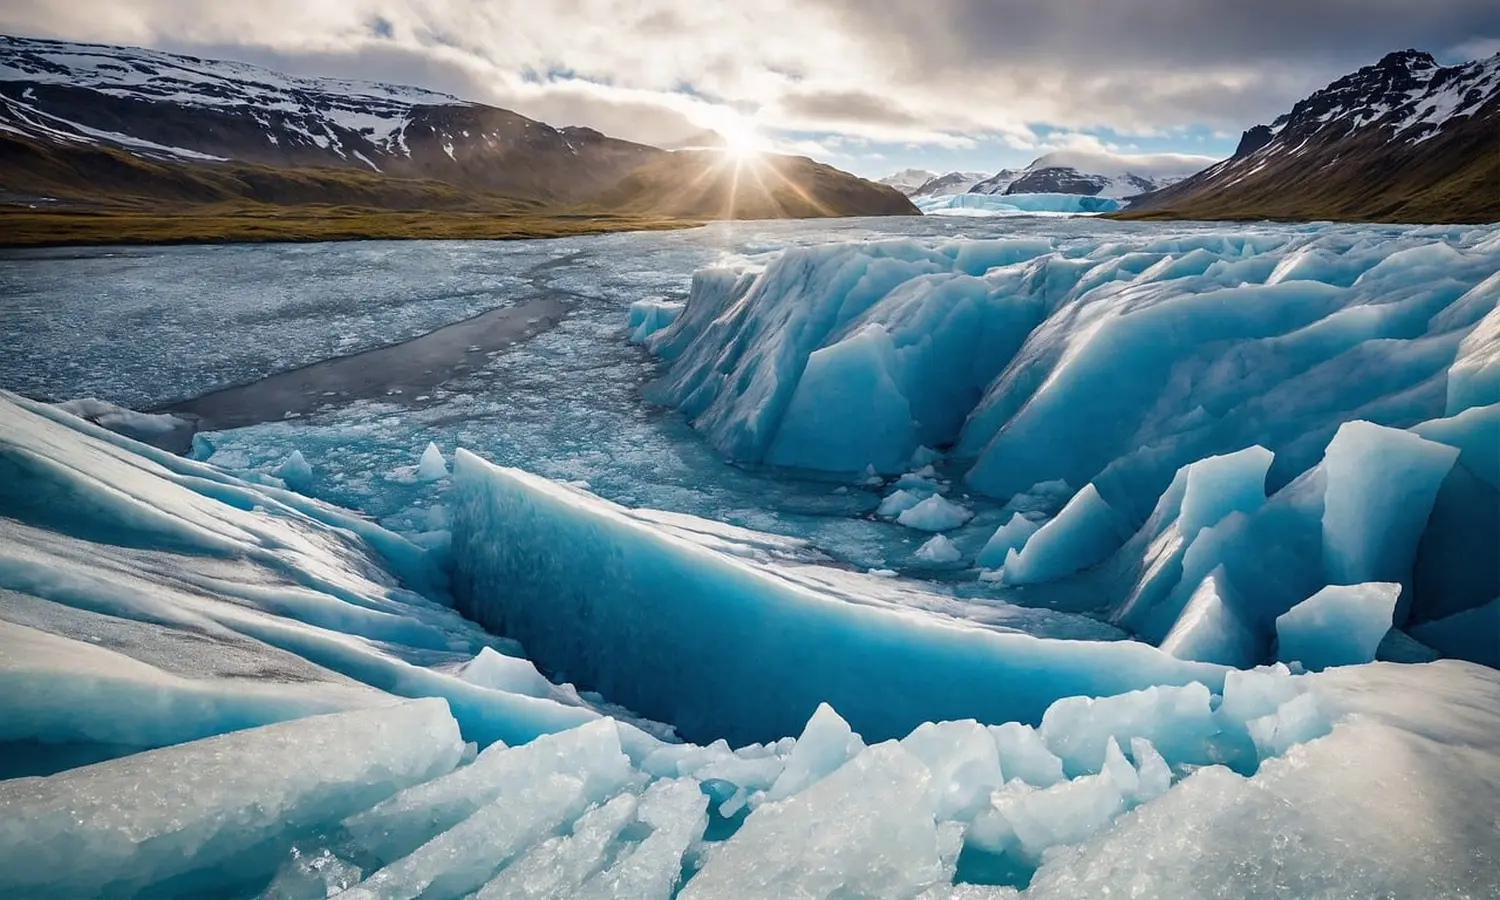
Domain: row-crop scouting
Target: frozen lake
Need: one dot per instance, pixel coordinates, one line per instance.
(146, 327)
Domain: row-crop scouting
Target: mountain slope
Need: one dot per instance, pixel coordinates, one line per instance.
(947, 185)
(771, 187)
(908, 180)
(1402, 140)
(101, 124)
(1094, 173)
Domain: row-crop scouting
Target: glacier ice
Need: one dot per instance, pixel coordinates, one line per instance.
(1256, 413)
(1016, 204)
(1340, 625)
(168, 432)
(867, 830)
(935, 513)
(1209, 630)
(1380, 489)
(938, 550)
(604, 594)
(204, 815)
(1086, 531)
(650, 316)
(1010, 536)
(432, 466)
(897, 502)
(295, 471)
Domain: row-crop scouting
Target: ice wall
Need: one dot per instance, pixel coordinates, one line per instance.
(1111, 364)
(687, 624)
(1016, 204)
(146, 600)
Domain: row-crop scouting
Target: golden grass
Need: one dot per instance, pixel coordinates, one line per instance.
(20, 227)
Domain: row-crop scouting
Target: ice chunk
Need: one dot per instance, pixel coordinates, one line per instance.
(1084, 533)
(1340, 625)
(865, 831)
(964, 763)
(1220, 485)
(432, 465)
(847, 409)
(1010, 536)
(1177, 720)
(1119, 769)
(1474, 378)
(295, 471)
(170, 433)
(935, 514)
(210, 815)
(674, 811)
(493, 669)
(1024, 755)
(1381, 484)
(924, 456)
(938, 550)
(539, 792)
(1257, 692)
(558, 866)
(402, 823)
(897, 503)
(1209, 630)
(1153, 774)
(1024, 821)
(826, 743)
(1295, 722)
(647, 317)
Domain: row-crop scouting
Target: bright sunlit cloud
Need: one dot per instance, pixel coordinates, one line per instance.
(967, 84)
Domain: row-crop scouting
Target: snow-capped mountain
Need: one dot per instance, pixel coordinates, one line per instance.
(908, 180)
(1094, 173)
(171, 107)
(385, 145)
(947, 185)
(1405, 138)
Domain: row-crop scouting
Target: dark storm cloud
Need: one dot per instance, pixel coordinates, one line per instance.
(847, 106)
(1163, 59)
(1102, 33)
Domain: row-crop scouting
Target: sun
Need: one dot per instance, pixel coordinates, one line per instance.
(741, 140)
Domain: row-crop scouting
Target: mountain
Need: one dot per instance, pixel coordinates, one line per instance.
(947, 185)
(996, 183)
(1405, 139)
(1094, 173)
(770, 187)
(908, 180)
(92, 123)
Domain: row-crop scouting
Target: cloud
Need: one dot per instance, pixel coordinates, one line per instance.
(942, 73)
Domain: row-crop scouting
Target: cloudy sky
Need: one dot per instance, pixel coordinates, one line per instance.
(869, 85)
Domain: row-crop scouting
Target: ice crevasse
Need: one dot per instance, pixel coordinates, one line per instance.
(1321, 403)
(395, 756)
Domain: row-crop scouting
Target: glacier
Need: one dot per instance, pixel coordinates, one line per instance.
(1016, 205)
(822, 624)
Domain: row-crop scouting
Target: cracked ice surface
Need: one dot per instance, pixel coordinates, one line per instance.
(213, 685)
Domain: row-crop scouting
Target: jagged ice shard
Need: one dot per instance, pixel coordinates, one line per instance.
(1185, 487)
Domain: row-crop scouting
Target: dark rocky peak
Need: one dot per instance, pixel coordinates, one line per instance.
(1368, 93)
(1254, 139)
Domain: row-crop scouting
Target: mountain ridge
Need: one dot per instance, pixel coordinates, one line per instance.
(1403, 139)
(66, 108)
